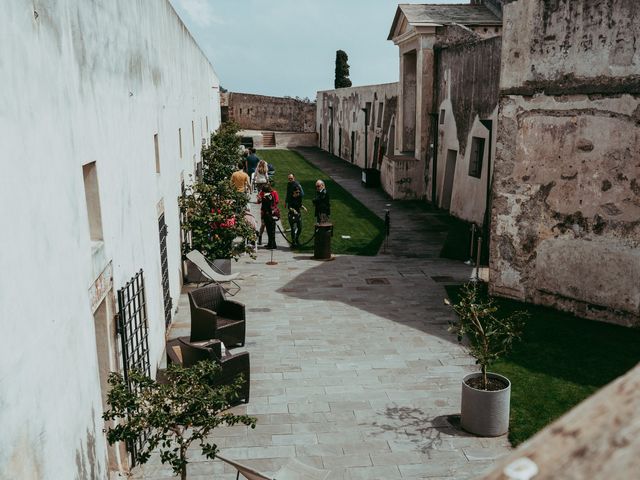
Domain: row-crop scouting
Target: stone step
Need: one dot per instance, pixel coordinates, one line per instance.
(268, 139)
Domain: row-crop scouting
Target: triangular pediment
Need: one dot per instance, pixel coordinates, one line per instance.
(400, 25)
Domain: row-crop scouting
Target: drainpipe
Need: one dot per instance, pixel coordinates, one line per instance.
(434, 156)
(434, 128)
(486, 224)
(366, 127)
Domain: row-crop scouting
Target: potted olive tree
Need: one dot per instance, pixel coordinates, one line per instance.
(172, 414)
(485, 396)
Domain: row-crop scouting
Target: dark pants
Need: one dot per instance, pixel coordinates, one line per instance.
(295, 222)
(270, 225)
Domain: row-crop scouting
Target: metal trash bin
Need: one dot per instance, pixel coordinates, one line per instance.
(370, 177)
(322, 241)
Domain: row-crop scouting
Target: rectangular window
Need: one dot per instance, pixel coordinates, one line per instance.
(92, 197)
(367, 112)
(180, 141)
(193, 133)
(442, 117)
(157, 151)
(475, 159)
(207, 123)
(380, 108)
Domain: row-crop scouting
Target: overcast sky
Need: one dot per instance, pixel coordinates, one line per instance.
(288, 47)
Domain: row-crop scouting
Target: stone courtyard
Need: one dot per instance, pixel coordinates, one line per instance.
(352, 367)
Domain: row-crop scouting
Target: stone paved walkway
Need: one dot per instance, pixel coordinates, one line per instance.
(352, 368)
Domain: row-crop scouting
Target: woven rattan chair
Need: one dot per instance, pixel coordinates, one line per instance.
(213, 316)
(293, 470)
(232, 364)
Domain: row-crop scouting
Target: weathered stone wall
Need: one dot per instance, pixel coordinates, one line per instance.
(259, 112)
(342, 122)
(566, 207)
(468, 77)
(571, 47)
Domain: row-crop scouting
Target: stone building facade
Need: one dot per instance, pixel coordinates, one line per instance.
(99, 127)
(566, 206)
(420, 31)
(357, 124)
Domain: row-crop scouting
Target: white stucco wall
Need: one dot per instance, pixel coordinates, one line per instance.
(83, 82)
(469, 195)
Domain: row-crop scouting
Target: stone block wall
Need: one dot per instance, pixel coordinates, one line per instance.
(566, 206)
(260, 112)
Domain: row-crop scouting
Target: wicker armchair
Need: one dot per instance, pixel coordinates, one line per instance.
(213, 316)
(232, 364)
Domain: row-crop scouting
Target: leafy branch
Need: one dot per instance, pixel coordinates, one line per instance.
(489, 336)
(173, 414)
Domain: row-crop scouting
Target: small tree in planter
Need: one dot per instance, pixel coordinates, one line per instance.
(173, 414)
(489, 337)
(213, 223)
(212, 209)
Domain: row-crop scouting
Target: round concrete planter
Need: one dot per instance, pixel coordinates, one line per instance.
(483, 412)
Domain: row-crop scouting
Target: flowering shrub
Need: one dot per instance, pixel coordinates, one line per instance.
(212, 210)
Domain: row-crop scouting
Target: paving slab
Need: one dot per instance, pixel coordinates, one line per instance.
(361, 379)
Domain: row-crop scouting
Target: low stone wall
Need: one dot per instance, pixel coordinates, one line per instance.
(291, 139)
(397, 175)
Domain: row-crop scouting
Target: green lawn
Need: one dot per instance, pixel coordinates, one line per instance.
(349, 216)
(560, 361)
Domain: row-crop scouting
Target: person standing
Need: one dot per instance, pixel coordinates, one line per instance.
(252, 161)
(321, 203)
(295, 216)
(261, 177)
(259, 198)
(292, 184)
(267, 203)
(240, 180)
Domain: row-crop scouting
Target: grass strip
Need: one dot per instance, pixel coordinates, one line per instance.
(561, 360)
(350, 217)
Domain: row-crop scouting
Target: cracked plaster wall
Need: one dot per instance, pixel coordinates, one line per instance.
(566, 203)
(346, 105)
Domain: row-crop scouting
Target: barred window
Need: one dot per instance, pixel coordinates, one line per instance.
(475, 159)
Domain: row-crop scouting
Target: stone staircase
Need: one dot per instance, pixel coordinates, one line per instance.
(268, 139)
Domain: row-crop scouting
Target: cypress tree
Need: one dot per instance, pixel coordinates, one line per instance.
(342, 70)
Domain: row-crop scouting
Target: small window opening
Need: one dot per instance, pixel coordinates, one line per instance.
(180, 141)
(475, 160)
(92, 197)
(157, 152)
(380, 109)
(442, 113)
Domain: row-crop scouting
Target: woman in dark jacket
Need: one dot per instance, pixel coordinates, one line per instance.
(268, 201)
